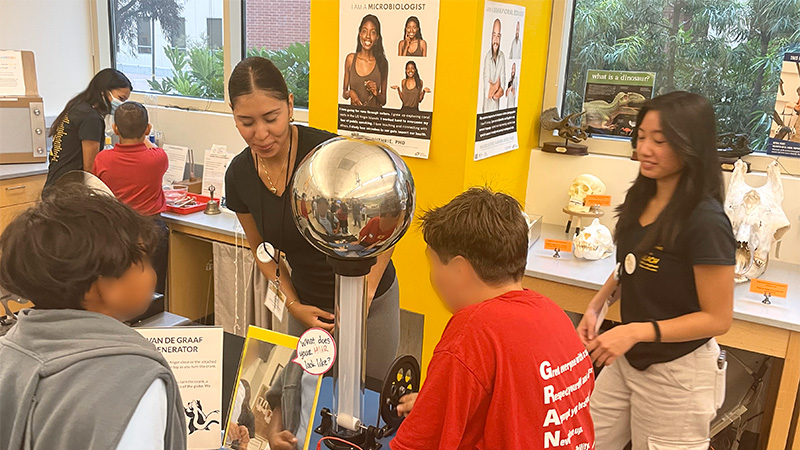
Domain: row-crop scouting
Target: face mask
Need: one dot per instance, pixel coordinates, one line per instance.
(115, 102)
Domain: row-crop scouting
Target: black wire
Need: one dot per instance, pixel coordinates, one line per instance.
(283, 209)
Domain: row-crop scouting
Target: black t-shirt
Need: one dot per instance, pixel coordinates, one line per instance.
(81, 123)
(245, 193)
(662, 285)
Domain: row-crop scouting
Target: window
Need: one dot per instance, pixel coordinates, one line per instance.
(214, 30)
(144, 35)
(279, 30)
(729, 51)
(170, 47)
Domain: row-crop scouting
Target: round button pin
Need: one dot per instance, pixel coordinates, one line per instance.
(630, 263)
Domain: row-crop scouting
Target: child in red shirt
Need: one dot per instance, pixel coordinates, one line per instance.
(379, 229)
(134, 170)
(510, 372)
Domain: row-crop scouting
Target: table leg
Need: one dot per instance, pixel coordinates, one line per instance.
(787, 393)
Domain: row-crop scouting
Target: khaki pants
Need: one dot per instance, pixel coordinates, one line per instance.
(668, 406)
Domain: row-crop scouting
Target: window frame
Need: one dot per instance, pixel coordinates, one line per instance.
(233, 37)
(555, 81)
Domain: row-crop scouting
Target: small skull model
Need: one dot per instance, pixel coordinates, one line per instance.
(583, 185)
(594, 242)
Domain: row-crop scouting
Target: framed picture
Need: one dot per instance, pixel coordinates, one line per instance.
(259, 396)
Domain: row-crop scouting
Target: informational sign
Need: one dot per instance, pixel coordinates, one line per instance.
(556, 244)
(784, 136)
(773, 288)
(177, 163)
(12, 76)
(269, 384)
(214, 166)
(195, 356)
(597, 200)
(316, 351)
(613, 98)
(498, 85)
(387, 72)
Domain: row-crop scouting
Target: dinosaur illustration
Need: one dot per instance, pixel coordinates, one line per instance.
(600, 114)
(552, 120)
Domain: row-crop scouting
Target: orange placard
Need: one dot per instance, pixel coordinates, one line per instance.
(774, 288)
(597, 200)
(562, 246)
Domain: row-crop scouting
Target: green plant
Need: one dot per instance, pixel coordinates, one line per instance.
(731, 51)
(196, 72)
(293, 62)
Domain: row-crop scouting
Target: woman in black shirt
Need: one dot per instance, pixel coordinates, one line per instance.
(255, 182)
(664, 379)
(79, 129)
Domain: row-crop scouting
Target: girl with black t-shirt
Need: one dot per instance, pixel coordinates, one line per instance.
(663, 379)
(254, 188)
(79, 129)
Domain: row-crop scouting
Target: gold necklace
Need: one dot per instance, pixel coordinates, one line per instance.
(272, 187)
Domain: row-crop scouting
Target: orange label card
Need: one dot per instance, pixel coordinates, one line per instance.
(774, 289)
(597, 200)
(562, 246)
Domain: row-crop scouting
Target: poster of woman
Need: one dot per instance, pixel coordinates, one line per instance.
(387, 72)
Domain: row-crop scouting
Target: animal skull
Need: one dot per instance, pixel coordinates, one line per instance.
(757, 218)
(594, 242)
(583, 185)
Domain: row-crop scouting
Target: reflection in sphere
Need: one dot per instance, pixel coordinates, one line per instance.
(352, 198)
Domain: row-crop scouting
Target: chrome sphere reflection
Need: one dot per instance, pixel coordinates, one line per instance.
(352, 198)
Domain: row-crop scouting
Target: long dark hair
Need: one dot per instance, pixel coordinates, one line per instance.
(95, 94)
(416, 74)
(689, 126)
(254, 73)
(377, 47)
(419, 28)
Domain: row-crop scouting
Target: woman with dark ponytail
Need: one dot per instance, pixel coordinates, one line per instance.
(256, 189)
(78, 130)
(664, 377)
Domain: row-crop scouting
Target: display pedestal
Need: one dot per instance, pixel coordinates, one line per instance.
(592, 214)
(565, 148)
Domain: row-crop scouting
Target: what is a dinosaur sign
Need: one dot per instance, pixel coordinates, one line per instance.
(613, 99)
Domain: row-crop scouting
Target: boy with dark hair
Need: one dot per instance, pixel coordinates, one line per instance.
(509, 372)
(134, 170)
(72, 374)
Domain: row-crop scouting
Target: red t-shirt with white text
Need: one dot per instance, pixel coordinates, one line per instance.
(509, 373)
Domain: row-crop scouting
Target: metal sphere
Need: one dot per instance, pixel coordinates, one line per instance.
(352, 198)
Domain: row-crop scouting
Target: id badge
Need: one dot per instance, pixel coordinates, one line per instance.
(276, 300)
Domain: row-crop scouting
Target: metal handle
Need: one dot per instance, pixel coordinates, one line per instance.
(15, 188)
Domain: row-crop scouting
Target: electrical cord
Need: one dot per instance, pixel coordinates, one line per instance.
(333, 438)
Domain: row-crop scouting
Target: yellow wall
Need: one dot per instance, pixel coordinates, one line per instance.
(450, 168)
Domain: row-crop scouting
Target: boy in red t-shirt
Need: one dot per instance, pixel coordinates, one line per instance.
(381, 228)
(509, 372)
(134, 170)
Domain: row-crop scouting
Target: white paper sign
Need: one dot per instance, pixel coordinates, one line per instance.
(316, 351)
(12, 78)
(214, 166)
(177, 163)
(195, 356)
(499, 79)
(391, 102)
